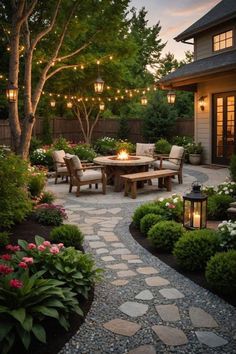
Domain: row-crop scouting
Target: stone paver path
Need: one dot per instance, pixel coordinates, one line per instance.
(142, 308)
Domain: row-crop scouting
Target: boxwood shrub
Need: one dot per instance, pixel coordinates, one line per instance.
(195, 248)
(165, 233)
(218, 205)
(148, 221)
(142, 210)
(221, 272)
(69, 235)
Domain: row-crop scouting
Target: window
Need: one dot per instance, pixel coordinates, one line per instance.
(223, 40)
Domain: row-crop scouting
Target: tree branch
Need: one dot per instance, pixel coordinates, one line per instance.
(27, 12)
(69, 66)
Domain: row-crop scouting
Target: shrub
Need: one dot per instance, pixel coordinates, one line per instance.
(49, 214)
(218, 205)
(62, 144)
(36, 183)
(227, 188)
(162, 146)
(165, 233)
(35, 143)
(84, 152)
(182, 140)
(227, 235)
(69, 235)
(42, 157)
(14, 201)
(232, 167)
(221, 272)
(47, 198)
(105, 146)
(195, 248)
(172, 207)
(142, 210)
(193, 148)
(125, 145)
(148, 221)
(4, 238)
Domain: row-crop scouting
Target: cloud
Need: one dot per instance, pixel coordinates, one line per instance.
(170, 31)
(195, 7)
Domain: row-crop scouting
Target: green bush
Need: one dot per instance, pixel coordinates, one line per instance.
(221, 272)
(69, 235)
(162, 146)
(14, 201)
(105, 146)
(49, 214)
(182, 140)
(232, 167)
(42, 157)
(4, 238)
(62, 144)
(47, 198)
(165, 233)
(125, 145)
(36, 183)
(195, 248)
(142, 210)
(35, 143)
(218, 205)
(148, 221)
(84, 152)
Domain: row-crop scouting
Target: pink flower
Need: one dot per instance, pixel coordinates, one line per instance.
(31, 246)
(6, 257)
(47, 243)
(28, 260)
(15, 283)
(60, 245)
(54, 250)
(5, 269)
(171, 206)
(41, 248)
(13, 248)
(23, 265)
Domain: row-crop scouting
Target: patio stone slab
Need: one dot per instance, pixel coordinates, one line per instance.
(120, 282)
(102, 250)
(110, 238)
(135, 261)
(126, 273)
(170, 336)
(171, 293)
(108, 258)
(120, 251)
(118, 266)
(117, 245)
(105, 233)
(143, 349)
(91, 238)
(156, 281)
(210, 339)
(114, 211)
(97, 244)
(147, 270)
(144, 295)
(168, 313)
(201, 318)
(97, 212)
(127, 257)
(122, 327)
(133, 309)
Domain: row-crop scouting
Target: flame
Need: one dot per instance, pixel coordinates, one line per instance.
(122, 155)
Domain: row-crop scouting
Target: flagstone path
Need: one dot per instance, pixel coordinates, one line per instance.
(142, 306)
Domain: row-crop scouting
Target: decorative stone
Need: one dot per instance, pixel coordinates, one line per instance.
(171, 293)
(144, 295)
(120, 251)
(110, 238)
(168, 313)
(122, 327)
(133, 309)
(120, 282)
(147, 270)
(92, 238)
(102, 250)
(135, 261)
(127, 257)
(108, 258)
(201, 318)
(118, 245)
(170, 336)
(210, 339)
(97, 244)
(105, 233)
(118, 266)
(156, 281)
(143, 349)
(126, 273)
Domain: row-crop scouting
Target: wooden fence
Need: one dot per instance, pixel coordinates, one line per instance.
(70, 129)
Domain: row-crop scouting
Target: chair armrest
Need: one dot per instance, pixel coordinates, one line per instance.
(59, 162)
(94, 167)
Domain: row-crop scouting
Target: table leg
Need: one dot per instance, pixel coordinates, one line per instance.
(133, 190)
(160, 182)
(168, 183)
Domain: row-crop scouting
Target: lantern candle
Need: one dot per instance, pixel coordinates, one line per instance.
(196, 220)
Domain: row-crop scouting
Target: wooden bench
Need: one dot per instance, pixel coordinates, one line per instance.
(164, 178)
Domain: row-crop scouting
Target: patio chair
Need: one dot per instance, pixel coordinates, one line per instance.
(85, 174)
(145, 149)
(59, 164)
(173, 161)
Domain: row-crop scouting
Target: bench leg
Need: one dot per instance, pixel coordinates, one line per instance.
(160, 182)
(168, 183)
(126, 190)
(133, 190)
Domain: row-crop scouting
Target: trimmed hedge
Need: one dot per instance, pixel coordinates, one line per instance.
(142, 210)
(69, 235)
(148, 221)
(217, 206)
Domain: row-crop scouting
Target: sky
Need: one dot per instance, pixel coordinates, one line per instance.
(174, 16)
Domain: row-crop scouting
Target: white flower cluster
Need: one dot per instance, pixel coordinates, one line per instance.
(229, 226)
(227, 188)
(108, 139)
(39, 154)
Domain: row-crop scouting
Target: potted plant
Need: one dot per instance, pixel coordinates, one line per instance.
(195, 151)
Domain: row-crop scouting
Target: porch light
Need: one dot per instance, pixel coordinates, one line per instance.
(98, 85)
(195, 208)
(11, 93)
(69, 104)
(53, 103)
(101, 106)
(144, 100)
(171, 96)
(202, 103)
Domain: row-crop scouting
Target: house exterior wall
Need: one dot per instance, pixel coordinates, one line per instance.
(203, 119)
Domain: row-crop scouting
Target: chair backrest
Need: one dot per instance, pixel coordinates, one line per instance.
(176, 154)
(68, 165)
(145, 149)
(58, 158)
(75, 163)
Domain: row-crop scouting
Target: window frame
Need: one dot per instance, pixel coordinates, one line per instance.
(218, 34)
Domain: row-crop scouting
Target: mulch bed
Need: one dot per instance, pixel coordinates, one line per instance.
(170, 260)
(57, 337)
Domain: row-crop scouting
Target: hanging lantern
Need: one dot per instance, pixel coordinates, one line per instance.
(144, 101)
(171, 96)
(69, 104)
(53, 103)
(11, 93)
(98, 85)
(101, 106)
(195, 208)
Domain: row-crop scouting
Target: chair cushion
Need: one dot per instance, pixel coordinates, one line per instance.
(166, 165)
(69, 156)
(76, 163)
(176, 154)
(62, 169)
(58, 156)
(91, 175)
(145, 149)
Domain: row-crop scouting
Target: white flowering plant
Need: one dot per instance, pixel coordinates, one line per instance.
(227, 235)
(227, 188)
(172, 207)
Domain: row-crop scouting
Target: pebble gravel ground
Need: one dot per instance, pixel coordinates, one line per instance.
(142, 306)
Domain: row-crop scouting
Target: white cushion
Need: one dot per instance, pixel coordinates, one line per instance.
(62, 169)
(69, 156)
(176, 154)
(58, 156)
(91, 175)
(76, 164)
(166, 165)
(145, 149)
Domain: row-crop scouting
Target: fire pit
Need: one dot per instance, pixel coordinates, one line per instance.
(123, 155)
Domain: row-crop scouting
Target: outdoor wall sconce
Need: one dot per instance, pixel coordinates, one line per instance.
(101, 106)
(53, 103)
(144, 100)
(171, 97)
(69, 104)
(11, 93)
(202, 103)
(195, 208)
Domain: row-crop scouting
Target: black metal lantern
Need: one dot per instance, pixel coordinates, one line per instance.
(171, 96)
(11, 93)
(195, 208)
(98, 85)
